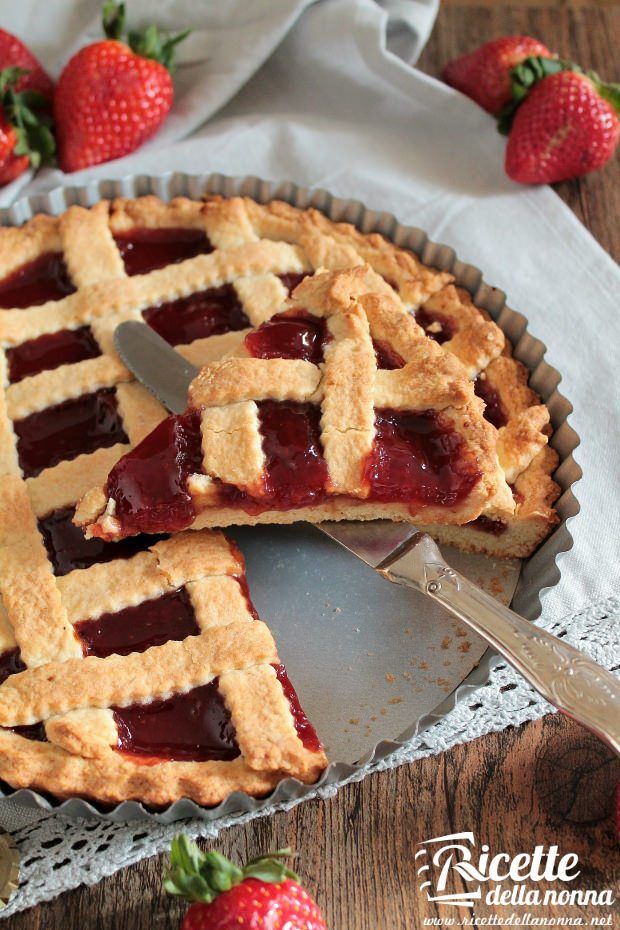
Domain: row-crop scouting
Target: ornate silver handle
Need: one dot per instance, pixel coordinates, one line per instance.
(563, 675)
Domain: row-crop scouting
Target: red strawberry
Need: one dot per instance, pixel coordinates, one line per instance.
(11, 165)
(263, 894)
(111, 96)
(25, 135)
(13, 53)
(566, 126)
(484, 75)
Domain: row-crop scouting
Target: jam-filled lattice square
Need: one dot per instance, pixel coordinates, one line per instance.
(338, 407)
(152, 678)
(209, 276)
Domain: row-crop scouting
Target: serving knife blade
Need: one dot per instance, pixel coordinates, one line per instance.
(162, 371)
(562, 674)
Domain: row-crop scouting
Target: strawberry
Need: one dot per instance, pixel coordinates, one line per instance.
(566, 126)
(262, 894)
(11, 165)
(112, 96)
(484, 75)
(25, 135)
(25, 96)
(14, 54)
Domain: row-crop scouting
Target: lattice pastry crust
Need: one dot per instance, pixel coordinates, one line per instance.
(72, 695)
(35, 623)
(252, 254)
(361, 315)
(254, 245)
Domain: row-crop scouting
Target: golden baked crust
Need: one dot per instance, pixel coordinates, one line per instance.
(254, 245)
(71, 695)
(349, 386)
(38, 610)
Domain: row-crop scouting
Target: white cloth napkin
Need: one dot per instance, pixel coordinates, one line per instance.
(330, 103)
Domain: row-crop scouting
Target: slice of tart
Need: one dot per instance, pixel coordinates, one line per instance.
(148, 678)
(339, 407)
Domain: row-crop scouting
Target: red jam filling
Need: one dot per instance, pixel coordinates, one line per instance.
(291, 279)
(494, 410)
(68, 548)
(143, 250)
(135, 629)
(292, 334)
(33, 731)
(149, 484)
(10, 664)
(190, 727)
(295, 470)
(417, 457)
(425, 319)
(245, 590)
(62, 432)
(495, 527)
(50, 351)
(46, 278)
(305, 730)
(207, 313)
(387, 357)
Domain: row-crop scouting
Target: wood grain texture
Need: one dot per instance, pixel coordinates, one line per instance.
(585, 32)
(540, 4)
(547, 782)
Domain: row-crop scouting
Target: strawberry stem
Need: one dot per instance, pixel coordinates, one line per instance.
(523, 77)
(199, 876)
(28, 112)
(113, 18)
(149, 42)
(530, 71)
(152, 44)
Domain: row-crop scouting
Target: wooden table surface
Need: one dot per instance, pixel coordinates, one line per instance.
(546, 782)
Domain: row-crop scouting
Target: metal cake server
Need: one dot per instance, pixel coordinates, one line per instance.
(563, 675)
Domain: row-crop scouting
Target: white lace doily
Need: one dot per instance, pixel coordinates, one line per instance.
(58, 853)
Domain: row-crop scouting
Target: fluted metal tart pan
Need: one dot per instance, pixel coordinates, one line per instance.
(375, 665)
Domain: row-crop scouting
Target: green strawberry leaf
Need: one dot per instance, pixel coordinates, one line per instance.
(150, 43)
(523, 77)
(185, 855)
(200, 876)
(146, 43)
(28, 112)
(113, 19)
(169, 50)
(220, 872)
(506, 116)
(529, 72)
(10, 76)
(34, 100)
(269, 870)
(183, 876)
